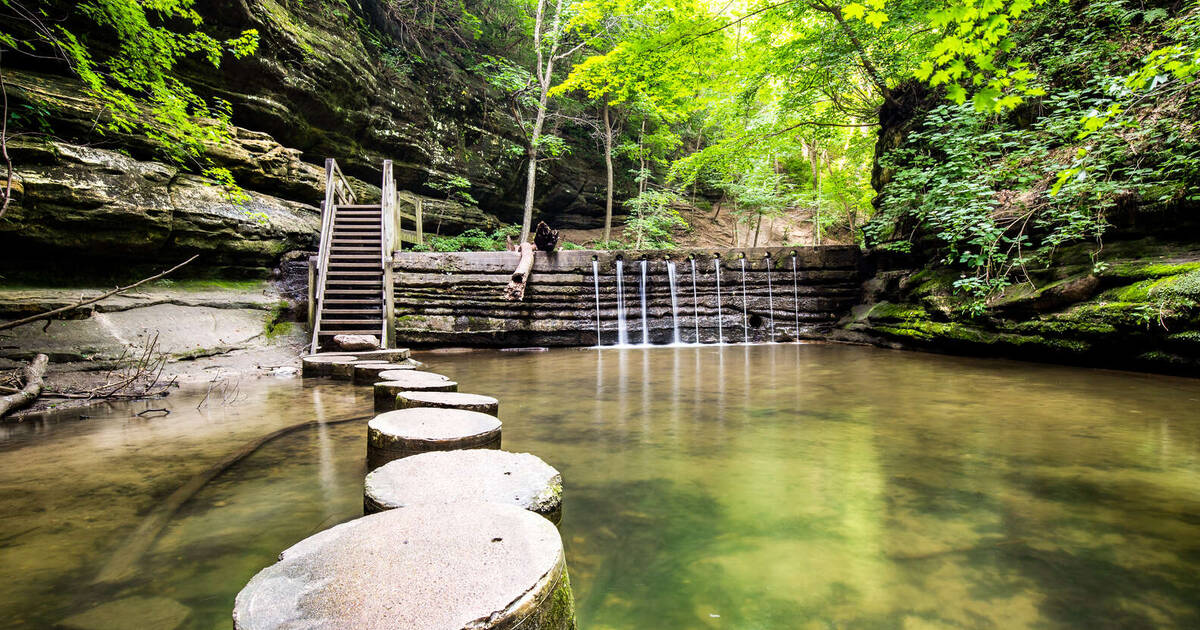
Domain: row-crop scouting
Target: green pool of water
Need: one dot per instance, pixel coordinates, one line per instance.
(749, 487)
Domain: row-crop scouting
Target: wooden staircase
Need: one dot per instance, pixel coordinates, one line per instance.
(354, 264)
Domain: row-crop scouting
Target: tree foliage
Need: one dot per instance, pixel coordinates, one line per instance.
(126, 53)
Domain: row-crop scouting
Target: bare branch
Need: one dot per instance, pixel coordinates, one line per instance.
(71, 307)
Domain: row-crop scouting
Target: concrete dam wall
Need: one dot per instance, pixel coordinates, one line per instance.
(782, 294)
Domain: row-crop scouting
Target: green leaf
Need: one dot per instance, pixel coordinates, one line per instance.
(854, 11)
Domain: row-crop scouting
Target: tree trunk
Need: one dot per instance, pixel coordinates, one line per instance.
(757, 227)
(516, 286)
(34, 373)
(545, 74)
(816, 175)
(642, 177)
(608, 166)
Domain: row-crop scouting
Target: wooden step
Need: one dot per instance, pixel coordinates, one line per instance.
(358, 323)
(337, 301)
(368, 206)
(352, 311)
(373, 292)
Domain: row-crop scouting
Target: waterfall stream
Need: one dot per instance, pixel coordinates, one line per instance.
(695, 300)
(717, 272)
(596, 284)
(770, 298)
(622, 330)
(674, 303)
(645, 321)
(745, 306)
(795, 297)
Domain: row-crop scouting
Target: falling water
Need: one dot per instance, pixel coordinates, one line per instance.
(770, 298)
(717, 270)
(745, 306)
(645, 328)
(596, 283)
(622, 331)
(695, 301)
(674, 302)
(795, 297)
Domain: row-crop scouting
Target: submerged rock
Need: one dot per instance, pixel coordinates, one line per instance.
(157, 613)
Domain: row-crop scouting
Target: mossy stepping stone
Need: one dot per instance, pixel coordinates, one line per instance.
(432, 567)
(368, 372)
(518, 479)
(448, 400)
(404, 432)
(321, 364)
(392, 382)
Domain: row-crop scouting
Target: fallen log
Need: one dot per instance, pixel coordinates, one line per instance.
(34, 374)
(516, 286)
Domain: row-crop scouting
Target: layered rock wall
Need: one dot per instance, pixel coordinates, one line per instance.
(457, 298)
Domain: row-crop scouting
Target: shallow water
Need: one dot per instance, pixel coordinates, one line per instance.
(778, 486)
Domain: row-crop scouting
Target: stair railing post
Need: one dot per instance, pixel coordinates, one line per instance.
(389, 230)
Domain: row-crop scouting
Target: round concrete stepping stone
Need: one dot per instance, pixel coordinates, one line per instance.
(366, 373)
(321, 364)
(518, 479)
(404, 432)
(344, 370)
(433, 567)
(391, 355)
(448, 400)
(392, 382)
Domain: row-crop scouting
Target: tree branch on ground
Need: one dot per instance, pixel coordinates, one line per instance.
(33, 375)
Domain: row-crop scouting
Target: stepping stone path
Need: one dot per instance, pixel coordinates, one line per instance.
(392, 382)
(518, 479)
(404, 432)
(454, 538)
(448, 400)
(433, 567)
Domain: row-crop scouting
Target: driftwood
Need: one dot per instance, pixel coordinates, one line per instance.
(71, 307)
(34, 373)
(545, 239)
(516, 286)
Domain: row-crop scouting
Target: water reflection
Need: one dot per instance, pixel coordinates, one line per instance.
(784, 486)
